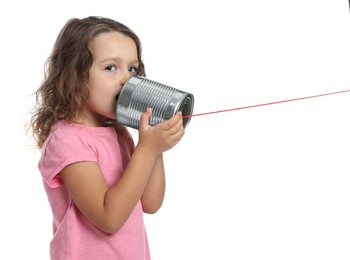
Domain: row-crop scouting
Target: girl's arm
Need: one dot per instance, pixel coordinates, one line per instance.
(153, 194)
(109, 207)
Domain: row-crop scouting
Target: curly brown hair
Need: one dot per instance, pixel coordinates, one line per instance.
(63, 92)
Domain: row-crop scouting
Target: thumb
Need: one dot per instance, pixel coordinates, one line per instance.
(144, 120)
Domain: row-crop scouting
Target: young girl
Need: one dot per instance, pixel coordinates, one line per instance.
(97, 182)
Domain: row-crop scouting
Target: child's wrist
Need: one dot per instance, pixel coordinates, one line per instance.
(146, 150)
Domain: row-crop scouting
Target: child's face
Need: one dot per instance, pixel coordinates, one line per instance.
(115, 60)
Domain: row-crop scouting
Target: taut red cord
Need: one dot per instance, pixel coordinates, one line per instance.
(266, 104)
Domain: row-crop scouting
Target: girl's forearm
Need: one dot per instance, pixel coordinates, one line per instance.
(122, 197)
(153, 194)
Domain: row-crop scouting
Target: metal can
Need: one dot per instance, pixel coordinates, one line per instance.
(140, 93)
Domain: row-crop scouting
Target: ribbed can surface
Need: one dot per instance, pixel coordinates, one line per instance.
(140, 93)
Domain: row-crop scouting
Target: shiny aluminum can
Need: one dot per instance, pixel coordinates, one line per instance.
(140, 93)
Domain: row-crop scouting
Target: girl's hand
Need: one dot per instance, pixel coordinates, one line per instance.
(162, 137)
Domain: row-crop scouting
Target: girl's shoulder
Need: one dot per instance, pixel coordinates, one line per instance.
(71, 128)
(65, 126)
(64, 133)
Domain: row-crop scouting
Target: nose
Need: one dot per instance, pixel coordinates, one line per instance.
(124, 77)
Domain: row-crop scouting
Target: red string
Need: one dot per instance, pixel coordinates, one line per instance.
(266, 104)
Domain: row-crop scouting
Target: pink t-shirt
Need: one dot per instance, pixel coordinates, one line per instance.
(74, 237)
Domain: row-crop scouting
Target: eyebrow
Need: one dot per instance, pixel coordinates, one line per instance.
(116, 59)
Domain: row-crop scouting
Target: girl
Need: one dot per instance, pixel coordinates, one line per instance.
(97, 182)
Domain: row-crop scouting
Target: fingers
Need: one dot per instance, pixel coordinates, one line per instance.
(173, 122)
(171, 127)
(163, 136)
(144, 120)
(174, 127)
(178, 127)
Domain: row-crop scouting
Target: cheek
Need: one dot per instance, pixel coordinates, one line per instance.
(102, 101)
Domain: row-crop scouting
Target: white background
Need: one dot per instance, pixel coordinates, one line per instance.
(263, 183)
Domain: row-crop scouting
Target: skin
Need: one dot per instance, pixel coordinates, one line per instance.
(115, 60)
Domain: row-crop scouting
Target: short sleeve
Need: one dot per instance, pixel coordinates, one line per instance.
(63, 147)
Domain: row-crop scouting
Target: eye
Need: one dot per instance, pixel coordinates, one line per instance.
(111, 68)
(134, 70)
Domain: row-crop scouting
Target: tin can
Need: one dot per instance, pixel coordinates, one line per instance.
(140, 93)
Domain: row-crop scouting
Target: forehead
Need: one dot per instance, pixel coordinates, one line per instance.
(113, 44)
